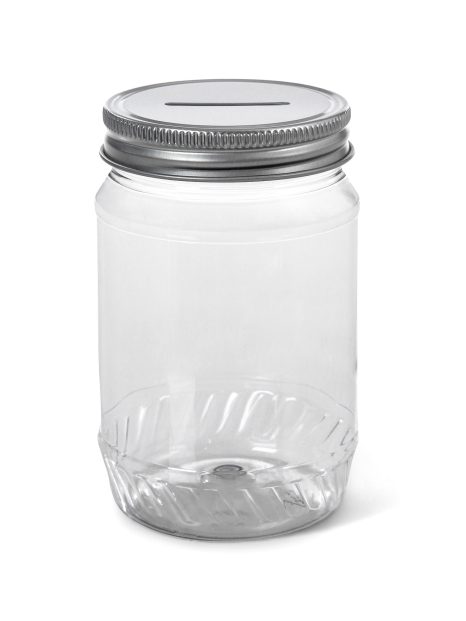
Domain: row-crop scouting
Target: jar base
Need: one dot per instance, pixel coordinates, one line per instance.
(222, 462)
(230, 511)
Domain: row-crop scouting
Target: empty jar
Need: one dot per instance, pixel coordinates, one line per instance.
(227, 299)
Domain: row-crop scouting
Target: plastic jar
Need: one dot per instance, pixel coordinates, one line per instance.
(227, 305)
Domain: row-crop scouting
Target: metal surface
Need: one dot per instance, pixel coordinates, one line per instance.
(226, 130)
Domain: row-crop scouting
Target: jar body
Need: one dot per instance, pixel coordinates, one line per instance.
(227, 350)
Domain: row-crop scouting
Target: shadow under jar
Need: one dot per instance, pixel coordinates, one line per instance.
(227, 299)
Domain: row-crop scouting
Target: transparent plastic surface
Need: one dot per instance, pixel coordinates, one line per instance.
(227, 351)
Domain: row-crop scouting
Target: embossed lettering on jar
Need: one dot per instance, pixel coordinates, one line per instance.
(227, 306)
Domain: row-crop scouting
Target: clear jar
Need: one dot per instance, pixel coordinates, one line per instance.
(227, 349)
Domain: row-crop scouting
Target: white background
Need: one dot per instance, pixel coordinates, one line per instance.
(396, 548)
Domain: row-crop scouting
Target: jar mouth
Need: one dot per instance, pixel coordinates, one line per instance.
(142, 164)
(189, 190)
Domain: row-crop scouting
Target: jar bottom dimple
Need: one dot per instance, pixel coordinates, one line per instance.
(228, 458)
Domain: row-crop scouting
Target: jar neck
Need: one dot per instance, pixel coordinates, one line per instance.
(215, 190)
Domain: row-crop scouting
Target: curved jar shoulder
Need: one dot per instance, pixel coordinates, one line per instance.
(226, 212)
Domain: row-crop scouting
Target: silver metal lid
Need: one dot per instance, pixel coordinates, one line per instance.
(226, 130)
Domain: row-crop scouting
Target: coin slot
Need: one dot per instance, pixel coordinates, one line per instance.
(227, 104)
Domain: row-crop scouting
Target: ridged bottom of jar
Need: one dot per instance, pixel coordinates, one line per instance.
(230, 509)
(228, 459)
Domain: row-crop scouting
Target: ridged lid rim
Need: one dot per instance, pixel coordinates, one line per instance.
(149, 146)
